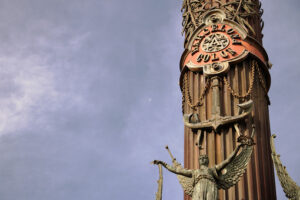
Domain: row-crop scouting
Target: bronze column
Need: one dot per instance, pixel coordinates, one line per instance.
(223, 65)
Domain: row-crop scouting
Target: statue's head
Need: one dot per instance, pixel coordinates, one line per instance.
(203, 160)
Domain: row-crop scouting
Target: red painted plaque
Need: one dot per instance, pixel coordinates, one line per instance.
(219, 44)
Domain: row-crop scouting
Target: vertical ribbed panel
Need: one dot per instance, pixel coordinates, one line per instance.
(258, 182)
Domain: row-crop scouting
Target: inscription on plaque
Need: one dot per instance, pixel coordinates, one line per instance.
(219, 43)
(215, 42)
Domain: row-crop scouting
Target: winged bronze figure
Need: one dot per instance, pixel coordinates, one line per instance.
(203, 183)
(290, 188)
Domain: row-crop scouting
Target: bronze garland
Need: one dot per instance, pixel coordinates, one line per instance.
(187, 94)
(187, 97)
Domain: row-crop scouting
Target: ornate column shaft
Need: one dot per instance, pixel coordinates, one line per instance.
(223, 65)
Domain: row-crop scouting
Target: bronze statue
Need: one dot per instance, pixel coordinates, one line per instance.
(290, 188)
(203, 183)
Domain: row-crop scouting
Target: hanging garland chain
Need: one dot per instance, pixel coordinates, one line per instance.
(261, 79)
(183, 98)
(187, 94)
(237, 95)
(254, 68)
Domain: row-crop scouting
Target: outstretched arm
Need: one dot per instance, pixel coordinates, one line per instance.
(180, 171)
(223, 164)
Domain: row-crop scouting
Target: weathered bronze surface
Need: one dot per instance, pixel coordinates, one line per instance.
(223, 66)
(224, 81)
(203, 183)
(290, 188)
(213, 47)
(217, 120)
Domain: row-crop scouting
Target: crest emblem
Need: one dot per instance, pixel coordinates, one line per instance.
(218, 42)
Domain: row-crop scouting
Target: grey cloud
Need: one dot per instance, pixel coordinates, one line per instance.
(106, 97)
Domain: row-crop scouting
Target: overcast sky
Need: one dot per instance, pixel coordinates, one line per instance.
(89, 96)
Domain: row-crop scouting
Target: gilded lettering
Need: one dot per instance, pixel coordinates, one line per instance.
(200, 57)
(214, 28)
(236, 36)
(232, 52)
(199, 37)
(195, 50)
(223, 28)
(224, 54)
(206, 58)
(214, 57)
(236, 42)
(196, 44)
(206, 31)
(230, 31)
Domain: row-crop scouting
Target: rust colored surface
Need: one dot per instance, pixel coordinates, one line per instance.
(258, 183)
(224, 54)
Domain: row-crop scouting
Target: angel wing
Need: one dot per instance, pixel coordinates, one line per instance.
(290, 188)
(186, 183)
(235, 169)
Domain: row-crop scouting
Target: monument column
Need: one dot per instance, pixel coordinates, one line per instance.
(225, 81)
